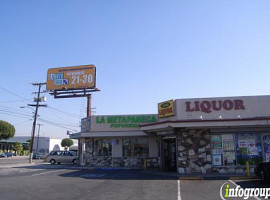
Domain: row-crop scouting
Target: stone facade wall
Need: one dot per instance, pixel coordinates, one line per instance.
(113, 162)
(194, 151)
(108, 161)
(233, 169)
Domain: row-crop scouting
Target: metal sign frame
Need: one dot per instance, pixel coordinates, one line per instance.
(73, 93)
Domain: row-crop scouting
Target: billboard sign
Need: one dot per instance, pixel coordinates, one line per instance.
(70, 78)
(166, 109)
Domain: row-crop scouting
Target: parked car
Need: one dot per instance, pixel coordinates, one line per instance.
(262, 170)
(2, 155)
(36, 156)
(61, 157)
(9, 154)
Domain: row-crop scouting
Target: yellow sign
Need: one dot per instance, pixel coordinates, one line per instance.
(68, 78)
(166, 109)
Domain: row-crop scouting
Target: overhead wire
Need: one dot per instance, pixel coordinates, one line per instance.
(67, 127)
(64, 112)
(21, 114)
(24, 99)
(60, 117)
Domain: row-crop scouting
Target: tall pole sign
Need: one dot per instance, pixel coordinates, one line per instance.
(74, 81)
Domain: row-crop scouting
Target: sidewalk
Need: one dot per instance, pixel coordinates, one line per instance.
(212, 176)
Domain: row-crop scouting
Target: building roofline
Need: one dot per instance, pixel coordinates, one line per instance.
(206, 120)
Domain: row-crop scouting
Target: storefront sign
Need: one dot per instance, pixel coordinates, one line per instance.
(85, 124)
(166, 109)
(210, 106)
(128, 121)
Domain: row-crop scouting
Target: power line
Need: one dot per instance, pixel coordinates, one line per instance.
(64, 112)
(58, 125)
(14, 114)
(11, 101)
(13, 109)
(60, 117)
(24, 99)
(20, 123)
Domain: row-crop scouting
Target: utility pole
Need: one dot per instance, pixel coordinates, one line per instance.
(38, 137)
(37, 105)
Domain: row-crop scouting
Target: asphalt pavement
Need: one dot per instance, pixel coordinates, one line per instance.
(45, 181)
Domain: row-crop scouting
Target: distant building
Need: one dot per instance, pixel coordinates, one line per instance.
(42, 145)
(45, 145)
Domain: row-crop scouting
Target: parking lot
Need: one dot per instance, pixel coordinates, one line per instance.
(45, 181)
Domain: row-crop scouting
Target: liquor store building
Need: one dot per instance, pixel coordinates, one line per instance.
(117, 141)
(213, 135)
(200, 135)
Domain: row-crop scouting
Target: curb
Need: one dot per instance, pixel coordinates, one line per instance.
(193, 178)
(242, 178)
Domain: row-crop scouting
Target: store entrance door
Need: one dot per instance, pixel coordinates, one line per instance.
(169, 161)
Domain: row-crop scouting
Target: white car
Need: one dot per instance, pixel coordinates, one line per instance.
(62, 157)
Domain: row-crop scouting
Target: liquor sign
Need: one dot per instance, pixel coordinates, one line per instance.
(166, 109)
(71, 78)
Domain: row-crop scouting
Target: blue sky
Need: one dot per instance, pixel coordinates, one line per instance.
(145, 52)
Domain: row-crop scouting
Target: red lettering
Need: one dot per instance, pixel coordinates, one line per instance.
(206, 107)
(188, 109)
(228, 105)
(215, 107)
(197, 103)
(239, 104)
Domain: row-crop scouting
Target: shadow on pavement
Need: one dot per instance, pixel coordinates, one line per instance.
(114, 174)
(252, 184)
(46, 166)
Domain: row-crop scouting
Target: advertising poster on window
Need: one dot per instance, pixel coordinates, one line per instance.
(266, 144)
(217, 160)
(267, 157)
(248, 147)
(216, 142)
(228, 142)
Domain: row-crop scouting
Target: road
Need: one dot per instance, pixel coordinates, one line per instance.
(16, 160)
(44, 181)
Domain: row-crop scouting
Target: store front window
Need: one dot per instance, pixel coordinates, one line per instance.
(135, 147)
(266, 144)
(232, 149)
(249, 148)
(102, 147)
(223, 150)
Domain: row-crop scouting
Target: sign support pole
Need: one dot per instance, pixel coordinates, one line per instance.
(89, 105)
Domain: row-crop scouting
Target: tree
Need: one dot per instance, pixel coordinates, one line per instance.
(66, 143)
(6, 130)
(27, 145)
(17, 146)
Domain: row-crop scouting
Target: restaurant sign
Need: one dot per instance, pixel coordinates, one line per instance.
(125, 121)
